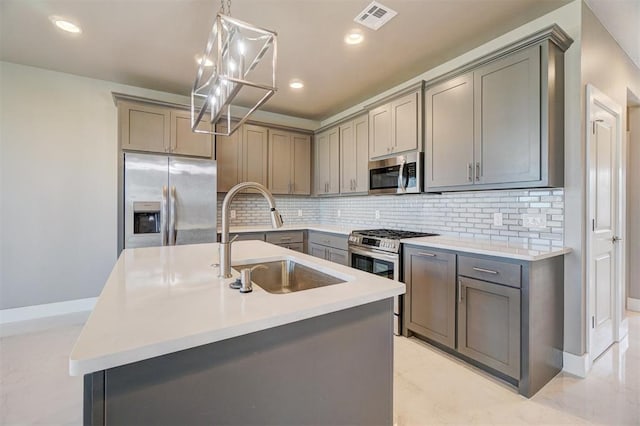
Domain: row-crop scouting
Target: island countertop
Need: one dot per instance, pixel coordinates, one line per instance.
(160, 300)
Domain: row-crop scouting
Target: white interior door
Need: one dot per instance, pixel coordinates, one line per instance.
(604, 145)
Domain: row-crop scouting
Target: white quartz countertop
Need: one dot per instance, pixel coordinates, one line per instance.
(160, 300)
(333, 229)
(488, 247)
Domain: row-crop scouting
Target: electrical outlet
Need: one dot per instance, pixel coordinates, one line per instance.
(534, 220)
(233, 214)
(339, 213)
(497, 219)
(299, 212)
(377, 214)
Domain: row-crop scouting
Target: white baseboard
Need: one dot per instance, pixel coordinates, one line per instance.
(578, 365)
(36, 317)
(633, 304)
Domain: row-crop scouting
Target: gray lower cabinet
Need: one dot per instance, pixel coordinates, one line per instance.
(293, 240)
(503, 315)
(327, 246)
(489, 324)
(430, 309)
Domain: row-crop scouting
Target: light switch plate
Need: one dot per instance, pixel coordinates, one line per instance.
(377, 214)
(299, 212)
(233, 214)
(497, 219)
(534, 220)
(339, 213)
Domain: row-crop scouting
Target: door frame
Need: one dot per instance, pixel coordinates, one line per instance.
(596, 97)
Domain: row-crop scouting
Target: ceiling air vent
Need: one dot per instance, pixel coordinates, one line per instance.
(375, 15)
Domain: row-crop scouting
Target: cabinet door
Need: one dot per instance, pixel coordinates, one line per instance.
(301, 164)
(380, 131)
(316, 250)
(489, 325)
(255, 146)
(145, 127)
(449, 133)
(229, 160)
(338, 256)
(348, 158)
(507, 125)
(334, 160)
(361, 131)
(430, 276)
(321, 161)
(404, 123)
(186, 142)
(280, 162)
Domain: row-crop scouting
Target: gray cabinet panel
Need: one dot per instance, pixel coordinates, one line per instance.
(187, 142)
(406, 130)
(490, 270)
(507, 130)
(229, 159)
(144, 127)
(430, 276)
(316, 250)
(338, 256)
(285, 237)
(331, 240)
(449, 133)
(489, 325)
(301, 177)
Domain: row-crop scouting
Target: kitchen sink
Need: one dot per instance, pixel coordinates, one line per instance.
(287, 276)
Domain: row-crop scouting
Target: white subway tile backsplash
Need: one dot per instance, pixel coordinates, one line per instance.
(458, 214)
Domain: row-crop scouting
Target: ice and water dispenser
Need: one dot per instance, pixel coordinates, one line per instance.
(146, 217)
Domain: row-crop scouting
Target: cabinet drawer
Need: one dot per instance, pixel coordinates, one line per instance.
(246, 236)
(490, 270)
(293, 246)
(330, 240)
(285, 237)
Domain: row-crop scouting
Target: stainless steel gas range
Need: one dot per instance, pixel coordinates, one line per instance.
(378, 251)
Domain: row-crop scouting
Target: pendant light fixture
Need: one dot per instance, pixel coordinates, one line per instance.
(241, 79)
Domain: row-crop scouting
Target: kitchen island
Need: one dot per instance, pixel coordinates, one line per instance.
(170, 343)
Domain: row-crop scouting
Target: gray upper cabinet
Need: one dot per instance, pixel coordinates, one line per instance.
(449, 133)
(144, 127)
(430, 308)
(154, 128)
(354, 155)
(326, 162)
(289, 163)
(500, 125)
(186, 142)
(242, 156)
(395, 127)
(507, 130)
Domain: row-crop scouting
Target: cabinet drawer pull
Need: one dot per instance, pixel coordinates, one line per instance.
(285, 238)
(488, 271)
(424, 253)
(477, 171)
(459, 291)
(469, 172)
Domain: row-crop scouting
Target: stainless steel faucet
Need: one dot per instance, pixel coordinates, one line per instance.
(225, 244)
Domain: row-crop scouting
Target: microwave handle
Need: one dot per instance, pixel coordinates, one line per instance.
(401, 181)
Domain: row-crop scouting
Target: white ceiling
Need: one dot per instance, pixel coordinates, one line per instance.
(152, 43)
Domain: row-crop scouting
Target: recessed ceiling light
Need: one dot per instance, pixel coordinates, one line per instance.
(354, 37)
(296, 84)
(65, 25)
(207, 61)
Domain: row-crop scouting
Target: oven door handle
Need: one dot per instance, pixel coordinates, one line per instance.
(374, 254)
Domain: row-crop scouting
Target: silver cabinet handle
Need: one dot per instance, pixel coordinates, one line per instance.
(424, 253)
(285, 238)
(488, 271)
(163, 216)
(459, 291)
(470, 172)
(173, 233)
(477, 171)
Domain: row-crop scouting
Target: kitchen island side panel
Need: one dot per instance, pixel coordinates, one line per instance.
(331, 369)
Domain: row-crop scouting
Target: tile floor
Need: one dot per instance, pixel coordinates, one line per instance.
(430, 387)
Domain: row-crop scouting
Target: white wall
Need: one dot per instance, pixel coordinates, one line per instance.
(58, 194)
(633, 204)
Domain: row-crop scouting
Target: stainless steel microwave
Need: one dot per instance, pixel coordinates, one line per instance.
(397, 175)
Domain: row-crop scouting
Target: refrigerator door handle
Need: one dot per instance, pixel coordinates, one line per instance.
(173, 233)
(163, 216)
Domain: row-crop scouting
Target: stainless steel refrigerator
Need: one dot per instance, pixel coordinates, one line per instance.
(168, 200)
